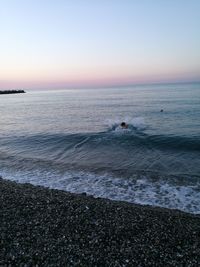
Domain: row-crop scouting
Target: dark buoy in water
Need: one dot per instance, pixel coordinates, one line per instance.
(161, 110)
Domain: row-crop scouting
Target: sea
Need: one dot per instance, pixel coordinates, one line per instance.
(72, 140)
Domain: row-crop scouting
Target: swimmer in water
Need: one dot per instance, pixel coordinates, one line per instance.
(124, 125)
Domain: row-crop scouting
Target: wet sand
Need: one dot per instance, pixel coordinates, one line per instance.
(43, 227)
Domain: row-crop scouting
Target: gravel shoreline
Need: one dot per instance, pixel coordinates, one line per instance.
(43, 227)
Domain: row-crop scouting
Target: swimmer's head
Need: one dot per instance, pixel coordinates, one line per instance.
(124, 125)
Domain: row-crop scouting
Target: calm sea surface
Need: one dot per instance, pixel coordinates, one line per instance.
(71, 140)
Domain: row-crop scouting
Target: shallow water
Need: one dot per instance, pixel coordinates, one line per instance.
(71, 140)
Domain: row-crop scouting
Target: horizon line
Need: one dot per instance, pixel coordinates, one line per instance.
(113, 86)
(104, 86)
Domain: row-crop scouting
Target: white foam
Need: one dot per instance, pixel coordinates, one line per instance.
(133, 123)
(140, 190)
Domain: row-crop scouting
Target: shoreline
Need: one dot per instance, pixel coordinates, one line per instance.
(49, 227)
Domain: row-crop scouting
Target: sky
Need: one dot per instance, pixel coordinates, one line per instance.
(91, 43)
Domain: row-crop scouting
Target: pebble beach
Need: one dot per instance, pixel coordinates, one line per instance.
(48, 227)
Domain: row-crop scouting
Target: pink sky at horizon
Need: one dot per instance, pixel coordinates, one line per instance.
(101, 80)
(106, 81)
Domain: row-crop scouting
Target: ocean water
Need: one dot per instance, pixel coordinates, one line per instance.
(71, 140)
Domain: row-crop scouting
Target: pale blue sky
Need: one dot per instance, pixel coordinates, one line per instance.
(46, 43)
